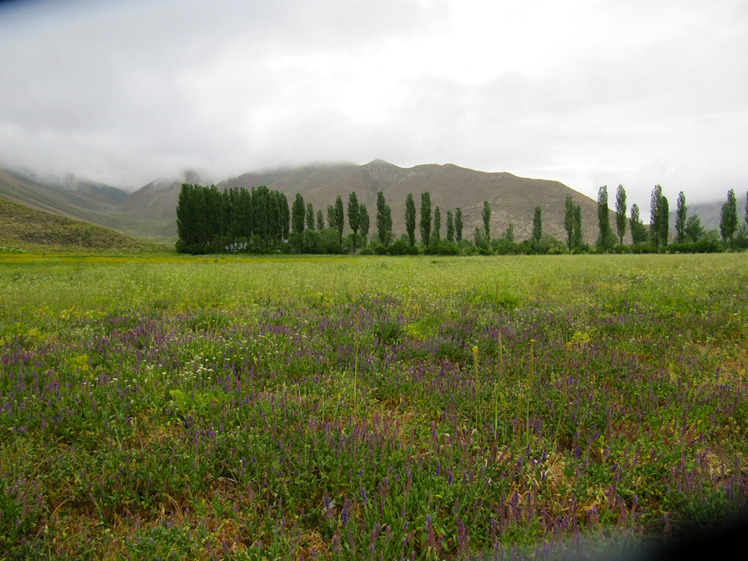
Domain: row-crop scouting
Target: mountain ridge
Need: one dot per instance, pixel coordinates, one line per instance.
(149, 213)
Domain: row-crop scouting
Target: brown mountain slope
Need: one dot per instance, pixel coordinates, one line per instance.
(512, 199)
(150, 212)
(26, 228)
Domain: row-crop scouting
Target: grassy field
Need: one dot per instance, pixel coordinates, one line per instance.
(368, 408)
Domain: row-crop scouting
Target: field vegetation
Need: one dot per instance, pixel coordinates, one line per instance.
(236, 407)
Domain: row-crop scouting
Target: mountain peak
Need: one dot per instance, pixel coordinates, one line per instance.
(381, 169)
(380, 164)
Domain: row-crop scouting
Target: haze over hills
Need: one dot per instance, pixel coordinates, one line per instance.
(150, 212)
(89, 202)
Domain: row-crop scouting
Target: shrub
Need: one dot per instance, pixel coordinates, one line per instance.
(643, 248)
(702, 246)
(400, 247)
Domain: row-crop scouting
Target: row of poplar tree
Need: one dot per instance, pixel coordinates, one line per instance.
(256, 220)
(242, 220)
(689, 233)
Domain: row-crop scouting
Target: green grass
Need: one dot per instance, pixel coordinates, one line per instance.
(161, 406)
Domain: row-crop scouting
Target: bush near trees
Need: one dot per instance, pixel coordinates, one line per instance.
(260, 220)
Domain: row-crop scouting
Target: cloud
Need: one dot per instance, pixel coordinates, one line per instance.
(584, 91)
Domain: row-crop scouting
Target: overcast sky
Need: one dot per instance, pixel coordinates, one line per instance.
(587, 92)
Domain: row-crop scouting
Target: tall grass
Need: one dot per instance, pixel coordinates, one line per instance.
(377, 408)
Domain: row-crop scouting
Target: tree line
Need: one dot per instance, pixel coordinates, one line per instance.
(690, 235)
(260, 220)
(213, 221)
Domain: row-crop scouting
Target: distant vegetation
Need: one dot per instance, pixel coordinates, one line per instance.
(458, 197)
(237, 220)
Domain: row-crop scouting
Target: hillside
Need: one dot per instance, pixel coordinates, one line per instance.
(512, 198)
(150, 212)
(88, 202)
(710, 214)
(25, 228)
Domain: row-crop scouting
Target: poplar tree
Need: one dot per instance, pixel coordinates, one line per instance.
(298, 215)
(354, 216)
(309, 216)
(241, 215)
(388, 223)
(569, 220)
(621, 213)
(658, 218)
(665, 222)
(186, 215)
(260, 213)
(384, 220)
(603, 219)
(425, 218)
(487, 221)
(577, 237)
(280, 217)
(537, 227)
(458, 225)
(728, 222)
(285, 214)
(320, 221)
(364, 221)
(339, 223)
(437, 225)
(681, 211)
(331, 216)
(213, 217)
(410, 219)
(450, 226)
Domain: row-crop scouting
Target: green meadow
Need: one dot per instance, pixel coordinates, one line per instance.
(173, 407)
